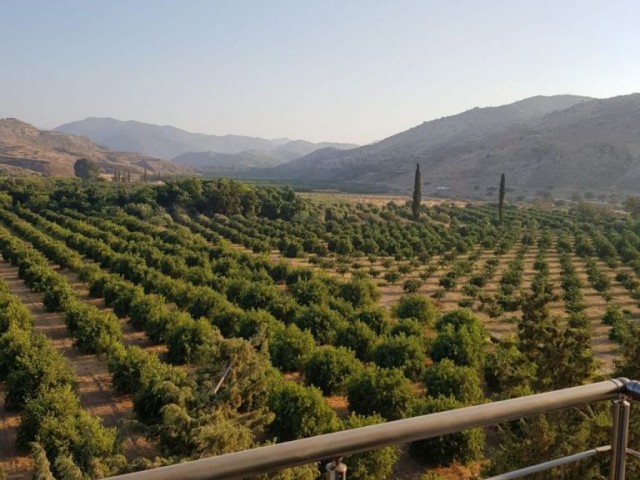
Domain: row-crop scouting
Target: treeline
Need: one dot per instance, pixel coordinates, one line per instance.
(208, 197)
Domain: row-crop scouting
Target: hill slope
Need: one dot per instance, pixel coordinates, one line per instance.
(442, 146)
(161, 141)
(211, 162)
(24, 150)
(542, 143)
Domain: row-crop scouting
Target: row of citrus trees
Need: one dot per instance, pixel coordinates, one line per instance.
(64, 438)
(378, 380)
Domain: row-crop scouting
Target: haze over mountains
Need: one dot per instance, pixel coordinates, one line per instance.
(205, 152)
(212, 162)
(557, 143)
(26, 150)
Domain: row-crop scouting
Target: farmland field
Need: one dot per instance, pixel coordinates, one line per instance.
(198, 318)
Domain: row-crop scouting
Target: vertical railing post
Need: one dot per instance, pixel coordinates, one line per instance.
(336, 470)
(620, 412)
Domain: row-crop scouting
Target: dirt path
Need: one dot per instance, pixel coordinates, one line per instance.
(130, 337)
(93, 380)
(15, 463)
(604, 349)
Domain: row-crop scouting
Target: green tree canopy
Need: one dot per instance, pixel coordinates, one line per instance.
(86, 169)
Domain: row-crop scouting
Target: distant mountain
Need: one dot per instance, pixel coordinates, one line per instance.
(559, 142)
(211, 162)
(161, 141)
(26, 150)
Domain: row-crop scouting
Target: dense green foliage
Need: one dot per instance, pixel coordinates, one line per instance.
(240, 330)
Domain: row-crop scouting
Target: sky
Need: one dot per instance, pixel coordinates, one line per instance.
(325, 70)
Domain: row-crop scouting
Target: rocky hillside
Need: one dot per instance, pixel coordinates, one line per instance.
(26, 150)
(461, 153)
(543, 144)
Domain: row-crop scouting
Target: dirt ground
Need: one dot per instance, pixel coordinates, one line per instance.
(379, 200)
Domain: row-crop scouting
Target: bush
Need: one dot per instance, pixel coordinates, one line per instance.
(359, 292)
(376, 318)
(359, 338)
(613, 315)
(38, 369)
(187, 336)
(391, 276)
(290, 348)
(322, 322)
(146, 309)
(404, 352)
(258, 323)
(418, 307)
(447, 282)
(62, 427)
(330, 369)
(507, 371)
(300, 412)
(381, 391)
(13, 343)
(449, 380)
(461, 338)
(95, 331)
(412, 285)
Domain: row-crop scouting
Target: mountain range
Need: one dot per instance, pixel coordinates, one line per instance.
(26, 150)
(557, 144)
(544, 144)
(203, 152)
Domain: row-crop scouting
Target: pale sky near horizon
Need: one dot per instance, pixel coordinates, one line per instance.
(334, 70)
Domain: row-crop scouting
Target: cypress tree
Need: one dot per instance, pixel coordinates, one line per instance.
(501, 198)
(417, 194)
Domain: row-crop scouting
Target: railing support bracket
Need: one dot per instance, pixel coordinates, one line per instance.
(620, 436)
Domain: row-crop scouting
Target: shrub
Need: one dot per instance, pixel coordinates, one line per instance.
(418, 307)
(187, 336)
(403, 352)
(381, 391)
(62, 427)
(412, 285)
(38, 369)
(299, 412)
(359, 292)
(376, 318)
(322, 322)
(330, 369)
(290, 348)
(461, 338)
(359, 338)
(449, 380)
(408, 327)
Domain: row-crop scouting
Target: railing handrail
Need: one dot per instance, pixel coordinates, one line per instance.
(308, 450)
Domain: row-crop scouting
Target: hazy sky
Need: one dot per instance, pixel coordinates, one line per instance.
(342, 70)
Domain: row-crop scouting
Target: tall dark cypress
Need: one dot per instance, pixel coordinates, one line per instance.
(501, 199)
(417, 194)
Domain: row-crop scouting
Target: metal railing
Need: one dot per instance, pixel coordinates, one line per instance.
(335, 445)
